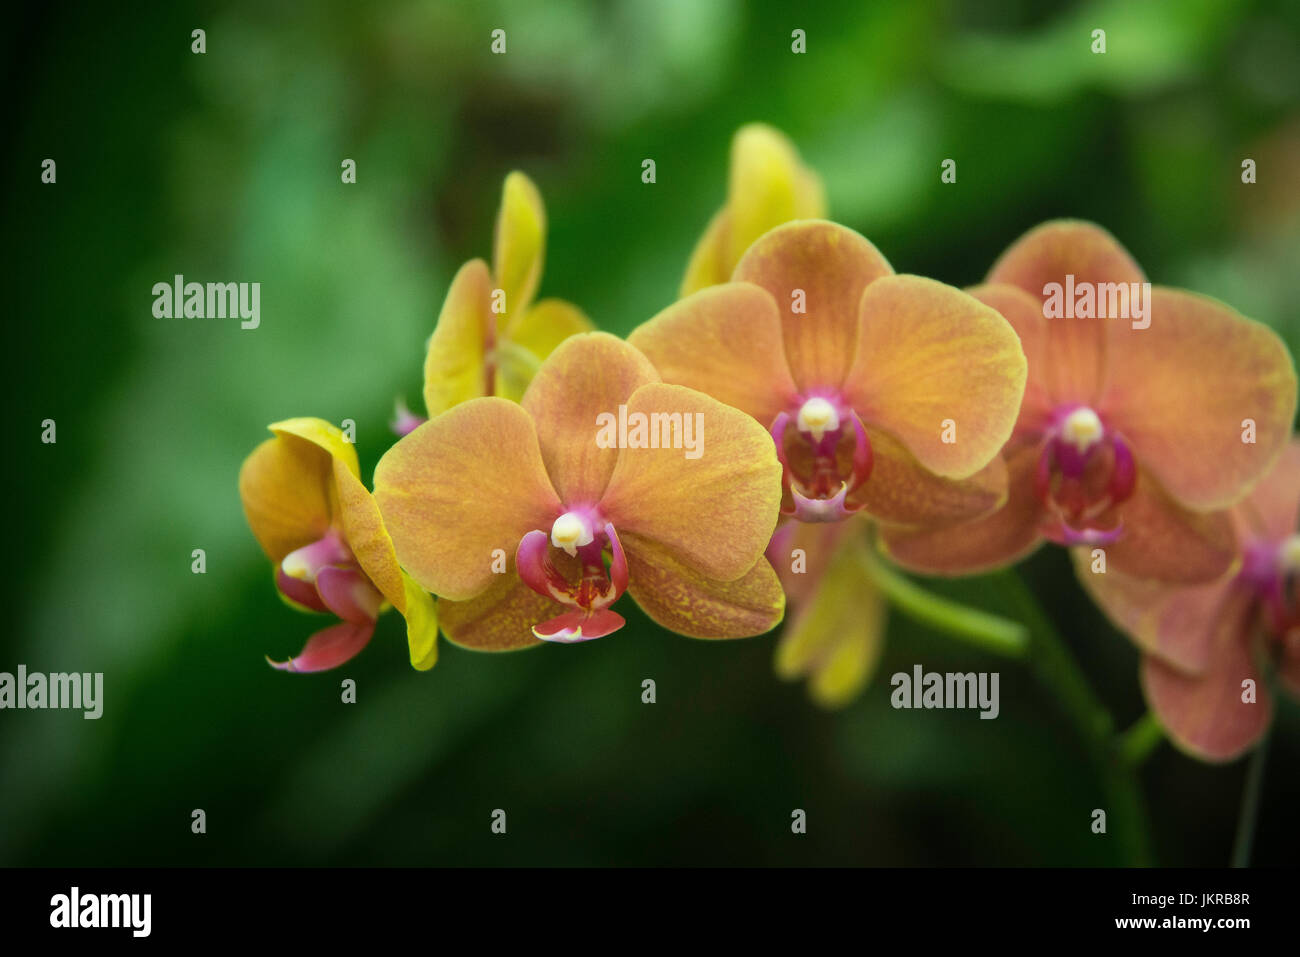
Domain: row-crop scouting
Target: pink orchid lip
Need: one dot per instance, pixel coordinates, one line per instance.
(1059, 479)
(306, 562)
(325, 577)
(298, 591)
(329, 648)
(348, 593)
(1266, 572)
(590, 596)
(821, 495)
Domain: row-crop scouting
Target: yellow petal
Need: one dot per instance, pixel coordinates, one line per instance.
(767, 186)
(543, 327)
(363, 528)
(520, 242)
(454, 369)
(421, 625)
(709, 263)
(329, 438)
(836, 638)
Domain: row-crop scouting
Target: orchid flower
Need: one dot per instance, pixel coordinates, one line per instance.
(530, 520)
(1202, 644)
(767, 185)
(304, 501)
(491, 336)
(885, 394)
(1135, 434)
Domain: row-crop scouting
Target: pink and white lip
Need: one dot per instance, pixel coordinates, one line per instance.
(820, 494)
(324, 576)
(1076, 437)
(581, 533)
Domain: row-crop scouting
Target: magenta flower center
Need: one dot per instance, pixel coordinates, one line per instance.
(1084, 471)
(825, 456)
(586, 585)
(1272, 570)
(325, 576)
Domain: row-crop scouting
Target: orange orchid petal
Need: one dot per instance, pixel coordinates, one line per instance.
(1025, 315)
(683, 601)
(363, 527)
(1077, 348)
(455, 365)
(519, 246)
(588, 376)
(836, 638)
(928, 354)
(902, 492)
(1205, 715)
(529, 340)
(724, 341)
(831, 265)
(499, 619)
(458, 488)
(709, 263)
(1175, 623)
(1001, 538)
(285, 492)
(287, 487)
(1272, 509)
(1181, 389)
(1164, 541)
(715, 513)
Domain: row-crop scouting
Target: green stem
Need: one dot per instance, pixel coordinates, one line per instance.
(1245, 840)
(1136, 744)
(979, 628)
(1055, 666)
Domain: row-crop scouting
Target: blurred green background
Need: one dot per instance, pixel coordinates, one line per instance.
(225, 166)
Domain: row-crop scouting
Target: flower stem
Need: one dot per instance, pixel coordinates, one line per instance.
(979, 628)
(1136, 744)
(1051, 660)
(1245, 839)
